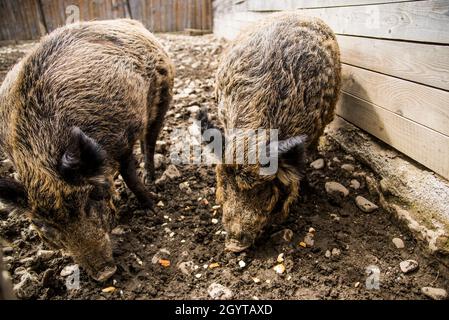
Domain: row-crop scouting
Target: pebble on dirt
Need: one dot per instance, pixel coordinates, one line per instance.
(317, 164)
(159, 161)
(355, 184)
(348, 167)
(217, 291)
(186, 267)
(279, 268)
(108, 289)
(434, 293)
(169, 174)
(162, 254)
(335, 188)
(398, 243)
(365, 205)
(408, 266)
(68, 270)
(308, 239)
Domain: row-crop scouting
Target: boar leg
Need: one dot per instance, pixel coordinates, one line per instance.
(153, 129)
(129, 174)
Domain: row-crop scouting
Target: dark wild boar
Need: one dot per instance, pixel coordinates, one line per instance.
(283, 73)
(70, 114)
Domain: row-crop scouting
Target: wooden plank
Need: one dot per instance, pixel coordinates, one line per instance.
(422, 21)
(422, 144)
(422, 104)
(20, 20)
(276, 5)
(422, 63)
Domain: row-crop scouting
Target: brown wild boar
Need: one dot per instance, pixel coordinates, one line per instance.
(70, 113)
(282, 73)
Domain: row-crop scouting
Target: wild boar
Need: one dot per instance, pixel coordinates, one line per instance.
(70, 113)
(283, 73)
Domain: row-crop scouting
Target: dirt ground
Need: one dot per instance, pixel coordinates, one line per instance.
(185, 230)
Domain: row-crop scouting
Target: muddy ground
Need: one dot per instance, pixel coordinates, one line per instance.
(187, 231)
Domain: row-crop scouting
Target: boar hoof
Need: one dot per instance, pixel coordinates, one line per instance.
(148, 176)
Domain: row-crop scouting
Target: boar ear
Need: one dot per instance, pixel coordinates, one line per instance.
(291, 150)
(13, 193)
(83, 158)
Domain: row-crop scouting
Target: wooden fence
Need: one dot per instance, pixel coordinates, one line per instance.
(30, 19)
(395, 58)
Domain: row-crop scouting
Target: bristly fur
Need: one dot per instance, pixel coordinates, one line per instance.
(282, 73)
(70, 113)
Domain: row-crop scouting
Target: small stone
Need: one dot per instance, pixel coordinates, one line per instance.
(118, 231)
(165, 263)
(45, 255)
(355, 184)
(327, 254)
(335, 217)
(242, 264)
(317, 164)
(193, 109)
(108, 290)
(357, 284)
(335, 159)
(308, 239)
(365, 205)
(162, 254)
(335, 188)
(348, 167)
(159, 161)
(160, 204)
(198, 275)
(214, 221)
(280, 268)
(256, 280)
(217, 291)
(161, 146)
(349, 158)
(285, 235)
(434, 293)
(68, 270)
(280, 258)
(335, 252)
(408, 266)
(186, 267)
(398, 243)
(384, 186)
(184, 186)
(214, 265)
(170, 173)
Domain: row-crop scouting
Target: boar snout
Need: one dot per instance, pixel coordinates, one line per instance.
(239, 244)
(95, 256)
